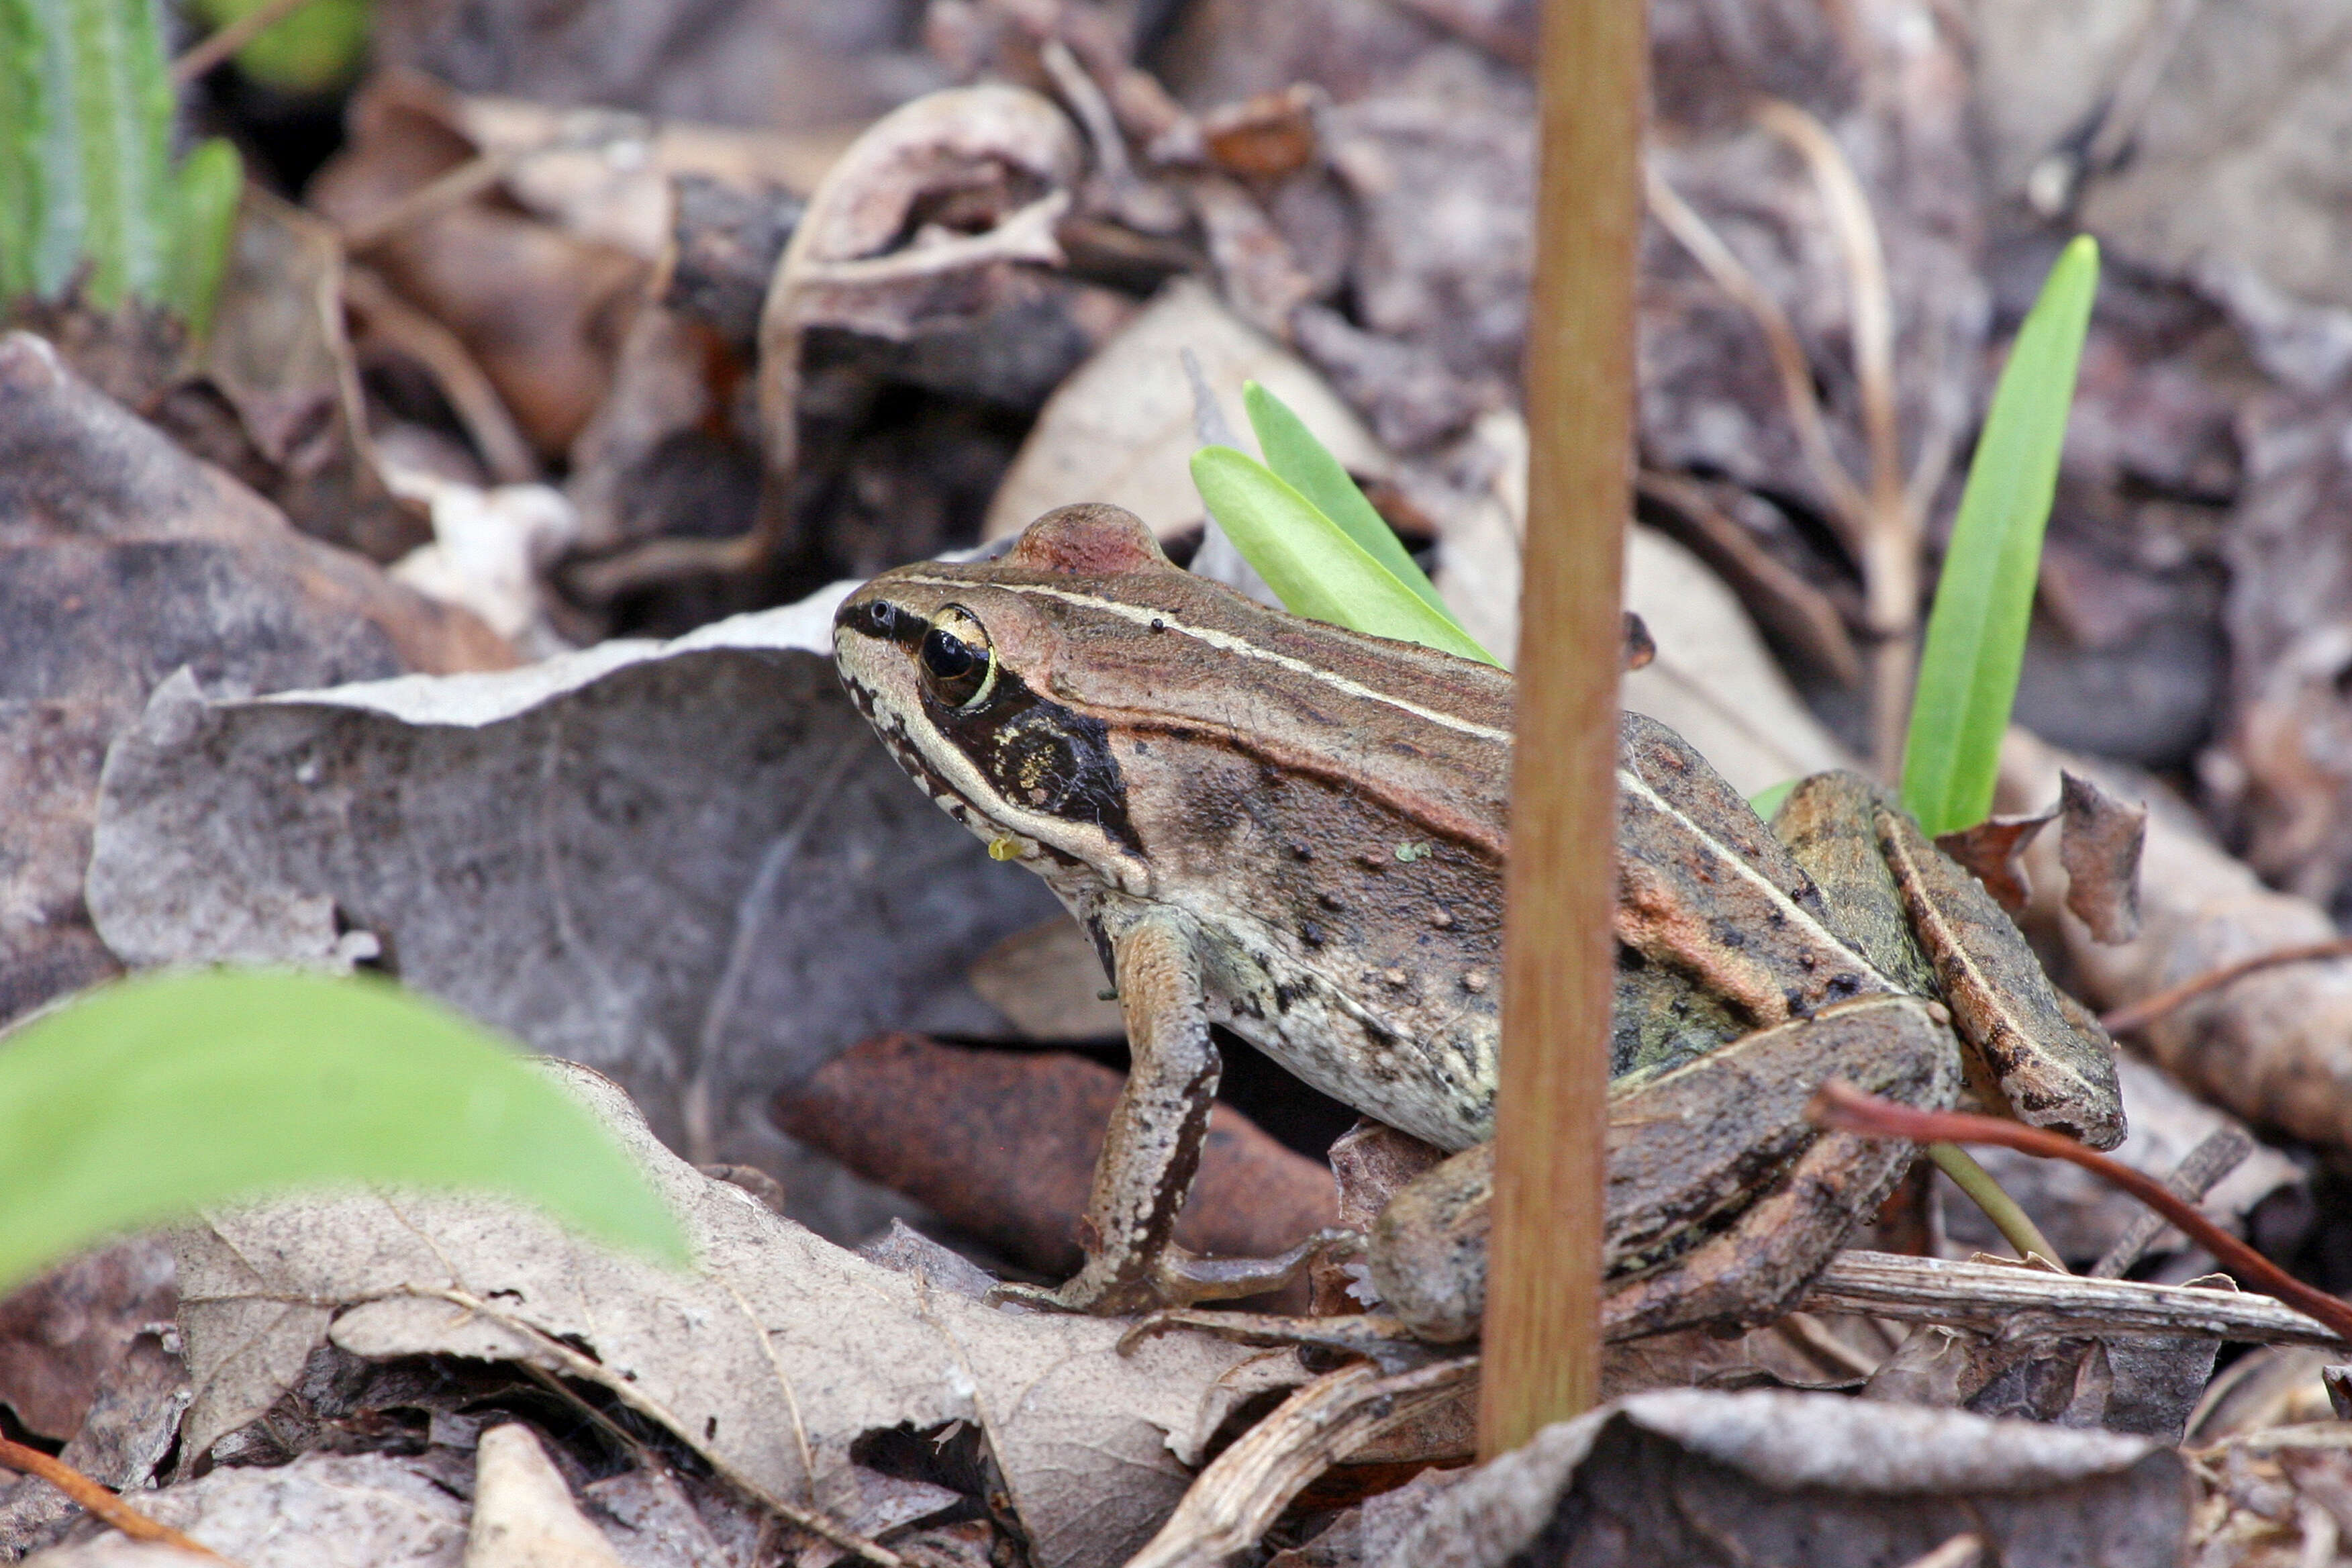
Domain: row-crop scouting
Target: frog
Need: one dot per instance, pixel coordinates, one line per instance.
(1298, 832)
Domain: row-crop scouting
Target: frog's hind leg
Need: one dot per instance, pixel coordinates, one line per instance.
(1724, 1201)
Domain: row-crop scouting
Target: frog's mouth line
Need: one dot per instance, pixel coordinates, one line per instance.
(1045, 773)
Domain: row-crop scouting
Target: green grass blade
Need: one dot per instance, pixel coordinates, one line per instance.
(122, 107)
(152, 1098)
(1310, 561)
(1975, 633)
(210, 182)
(1307, 466)
(23, 126)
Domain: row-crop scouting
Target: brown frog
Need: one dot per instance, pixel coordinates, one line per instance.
(1298, 832)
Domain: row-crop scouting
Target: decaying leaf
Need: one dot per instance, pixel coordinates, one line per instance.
(524, 1513)
(1120, 429)
(2273, 1499)
(688, 865)
(1791, 1479)
(131, 1427)
(540, 308)
(1048, 981)
(2099, 845)
(62, 1333)
(919, 223)
(324, 1511)
(2267, 1047)
(122, 560)
(771, 1360)
(279, 359)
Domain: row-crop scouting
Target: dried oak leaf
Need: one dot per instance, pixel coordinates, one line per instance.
(771, 1358)
(688, 865)
(936, 1122)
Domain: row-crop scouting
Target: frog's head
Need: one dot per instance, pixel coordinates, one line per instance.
(954, 667)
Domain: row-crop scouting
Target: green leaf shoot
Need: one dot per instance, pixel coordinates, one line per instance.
(1767, 801)
(151, 1098)
(319, 46)
(210, 179)
(1311, 563)
(1975, 645)
(1307, 466)
(88, 197)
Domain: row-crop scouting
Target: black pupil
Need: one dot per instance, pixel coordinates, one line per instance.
(947, 655)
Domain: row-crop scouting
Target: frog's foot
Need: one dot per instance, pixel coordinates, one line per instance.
(1185, 1278)
(1384, 1341)
(1179, 1278)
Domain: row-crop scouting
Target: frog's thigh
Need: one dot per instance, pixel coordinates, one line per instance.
(1665, 1167)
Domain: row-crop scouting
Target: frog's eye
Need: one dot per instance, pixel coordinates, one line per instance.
(959, 666)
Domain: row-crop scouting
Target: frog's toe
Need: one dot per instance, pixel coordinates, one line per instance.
(1385, 1341)
(1185, 1278)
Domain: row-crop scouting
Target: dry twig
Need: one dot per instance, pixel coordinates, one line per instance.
(97, 1499)
(1843, 1106)
(1234, 1500)
(2140, 1014)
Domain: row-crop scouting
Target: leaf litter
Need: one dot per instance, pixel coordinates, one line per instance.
(655, 857)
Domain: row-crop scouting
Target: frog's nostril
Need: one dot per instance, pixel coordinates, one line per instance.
(876, 617)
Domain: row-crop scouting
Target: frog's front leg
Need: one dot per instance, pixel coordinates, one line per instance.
(1153, 1148)
(1723, 1202)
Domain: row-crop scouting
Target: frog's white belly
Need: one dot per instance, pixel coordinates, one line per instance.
(1438, 1084)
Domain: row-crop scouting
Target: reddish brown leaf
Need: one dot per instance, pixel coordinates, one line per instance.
(1994, 852)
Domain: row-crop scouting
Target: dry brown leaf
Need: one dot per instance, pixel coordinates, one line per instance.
(122, 560)
(2269, 1047)
(324, 1511)
(689, 865)
(277, 356)
(1692, 1477)
(540, 309)
(1048, 981)
(774, 1356)
(524, 1513)
(936, 1122)
(1121, 429)
(2099, 845)
(1994, 851)
(60, 1334)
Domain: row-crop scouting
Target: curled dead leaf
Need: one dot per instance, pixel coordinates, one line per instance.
(2099, 843)
(1994, 851)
